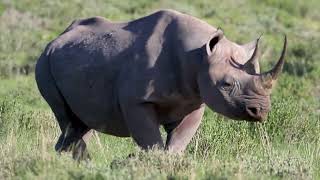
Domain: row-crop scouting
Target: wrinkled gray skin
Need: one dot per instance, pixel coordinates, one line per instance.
(127, 79)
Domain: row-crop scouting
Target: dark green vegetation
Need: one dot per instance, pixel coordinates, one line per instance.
(286, 146)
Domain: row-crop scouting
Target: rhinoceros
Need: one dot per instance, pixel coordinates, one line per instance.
(129, 78)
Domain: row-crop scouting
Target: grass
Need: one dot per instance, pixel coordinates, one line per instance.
(285, 147)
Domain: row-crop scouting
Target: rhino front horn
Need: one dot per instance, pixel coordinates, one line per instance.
(270, 77)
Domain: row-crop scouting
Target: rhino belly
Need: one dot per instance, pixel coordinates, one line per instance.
(88, 89)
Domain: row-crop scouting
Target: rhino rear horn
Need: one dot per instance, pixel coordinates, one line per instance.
(252, 65)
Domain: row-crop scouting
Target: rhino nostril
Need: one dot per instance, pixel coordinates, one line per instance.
(253, 110)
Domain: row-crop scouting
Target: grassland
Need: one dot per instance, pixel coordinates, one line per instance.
(286, 146)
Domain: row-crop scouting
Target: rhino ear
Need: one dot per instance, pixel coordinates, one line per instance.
(215, 38)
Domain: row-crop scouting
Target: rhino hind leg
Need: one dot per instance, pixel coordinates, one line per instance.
(72, 137)
(72, 129)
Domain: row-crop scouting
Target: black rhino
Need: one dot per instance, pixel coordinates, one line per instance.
(128, 79)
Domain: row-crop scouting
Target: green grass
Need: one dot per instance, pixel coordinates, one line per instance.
(286, 146)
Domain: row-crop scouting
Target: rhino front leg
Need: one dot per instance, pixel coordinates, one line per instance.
(143, 125)
(179, 137)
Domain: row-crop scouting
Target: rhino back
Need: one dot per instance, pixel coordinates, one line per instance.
(93, 56)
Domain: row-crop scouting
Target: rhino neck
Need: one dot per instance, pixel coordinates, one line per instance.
(191, 35)
(190, 62)
(190, 65)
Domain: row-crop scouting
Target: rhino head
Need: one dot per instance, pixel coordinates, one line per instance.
(230, 81)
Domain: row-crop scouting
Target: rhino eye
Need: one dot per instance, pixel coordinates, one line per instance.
(226, 85)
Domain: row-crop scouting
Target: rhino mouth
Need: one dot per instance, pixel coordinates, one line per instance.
(250, 114)
(253, 119)
(247, 118)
